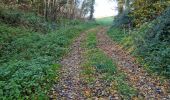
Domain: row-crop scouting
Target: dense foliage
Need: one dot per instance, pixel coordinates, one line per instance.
(27, 20)
(54, 9)
(35, 35)
(145, 11)
(123, 20)
(136, 12)
(154, 47)
(150, 43)
(29, 59)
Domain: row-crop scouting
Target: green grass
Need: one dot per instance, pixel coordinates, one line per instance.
(123, 37)
(29, 59)
(91, 40)
(100, 61)
(97, 61)
(123, 87)
(95, 55)
(117, 34)
(106, 21)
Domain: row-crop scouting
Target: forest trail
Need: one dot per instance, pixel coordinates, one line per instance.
(149, 87)
(71, 85)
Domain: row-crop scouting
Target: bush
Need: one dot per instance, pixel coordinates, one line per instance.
(146, 11)
(28, 20)
(155, 46)
(123, 20)
(150, 43)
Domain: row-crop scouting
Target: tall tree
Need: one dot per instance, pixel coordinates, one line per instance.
(127, 4)
(54, 9)
(45, 9)
(91, 9)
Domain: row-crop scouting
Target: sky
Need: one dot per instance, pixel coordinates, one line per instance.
(104, 8)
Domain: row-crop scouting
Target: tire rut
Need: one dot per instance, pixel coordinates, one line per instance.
(149, 87)
(69, 86)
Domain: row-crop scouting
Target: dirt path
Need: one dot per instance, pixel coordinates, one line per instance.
(70, 86)
(150, 88)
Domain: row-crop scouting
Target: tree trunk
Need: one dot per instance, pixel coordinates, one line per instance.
(45, 10)
(127, 4)
(91, 9)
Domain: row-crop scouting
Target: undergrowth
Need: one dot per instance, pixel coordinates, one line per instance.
(29, 59)
(34, 22)
(149, 43)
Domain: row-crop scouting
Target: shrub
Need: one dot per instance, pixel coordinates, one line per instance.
(123, 20)
(155, 47)
(150, 43)
(28, 20)
(146, 11)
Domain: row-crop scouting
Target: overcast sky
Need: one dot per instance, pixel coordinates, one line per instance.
(104, 8)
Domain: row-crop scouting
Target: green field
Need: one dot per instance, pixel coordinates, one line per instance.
(105, 21)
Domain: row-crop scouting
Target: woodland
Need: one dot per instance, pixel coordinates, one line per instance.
(57, 50)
